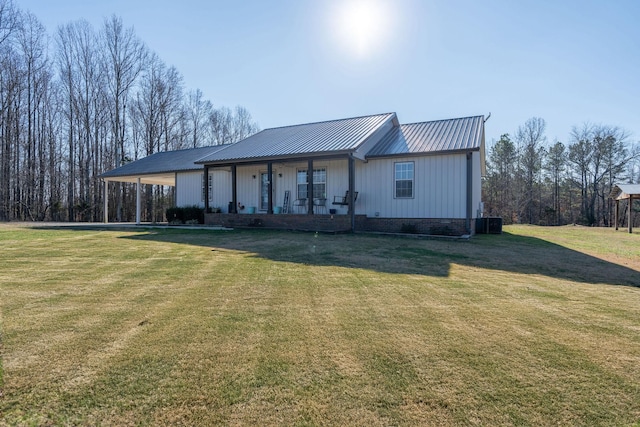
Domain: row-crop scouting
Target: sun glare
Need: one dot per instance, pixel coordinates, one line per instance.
(361, 26)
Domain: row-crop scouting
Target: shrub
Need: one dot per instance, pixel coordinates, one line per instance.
(409, 228)
(181, 215)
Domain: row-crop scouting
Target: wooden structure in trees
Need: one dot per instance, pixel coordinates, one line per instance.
(629, 192)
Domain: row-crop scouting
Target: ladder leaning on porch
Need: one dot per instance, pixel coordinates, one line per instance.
(285, 204)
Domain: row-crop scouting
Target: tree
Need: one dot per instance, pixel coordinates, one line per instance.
(125, 55)
(530, 139)
(555, 165)
(499, 191)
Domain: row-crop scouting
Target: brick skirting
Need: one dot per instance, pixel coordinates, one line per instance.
(341, 223)
(325, 223)
(431, 226)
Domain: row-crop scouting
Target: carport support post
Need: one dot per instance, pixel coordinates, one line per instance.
(138, 201)
(615, 218)
(106, 201)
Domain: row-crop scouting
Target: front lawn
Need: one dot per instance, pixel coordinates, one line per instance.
(537, 326)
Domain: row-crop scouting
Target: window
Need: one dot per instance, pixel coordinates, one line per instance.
(319, 183)
(404, 180)
(210, 178)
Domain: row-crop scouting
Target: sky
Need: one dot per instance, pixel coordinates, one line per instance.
(569, 62)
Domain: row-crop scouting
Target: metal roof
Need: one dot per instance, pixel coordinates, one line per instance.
(160, 168)
(466, 133)
(623, 191)
(321, 138)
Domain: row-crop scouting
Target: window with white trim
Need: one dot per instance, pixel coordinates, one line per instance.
(403, 180)
(319, 183)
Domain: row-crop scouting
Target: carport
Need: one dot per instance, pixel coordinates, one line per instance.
(157, 169)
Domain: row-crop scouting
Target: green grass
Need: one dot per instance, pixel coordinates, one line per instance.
(538, 326)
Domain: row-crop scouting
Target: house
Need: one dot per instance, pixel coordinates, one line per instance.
(369, 173)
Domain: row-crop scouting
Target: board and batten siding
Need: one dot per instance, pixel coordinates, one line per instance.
(189, 188)
(440, 187)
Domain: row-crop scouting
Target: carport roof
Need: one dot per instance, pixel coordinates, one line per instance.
(160, 168)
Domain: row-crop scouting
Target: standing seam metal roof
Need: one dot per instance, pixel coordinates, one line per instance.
(165, 161)
(464, 133)
(316, 138)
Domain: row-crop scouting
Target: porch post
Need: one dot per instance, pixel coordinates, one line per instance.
(106, 201)
(630, 206)
(270, 188)
(310, 187)
(352, 189)
(205, 188)
(234, 190)
(615, 219)
(138, 201)
(469, 208)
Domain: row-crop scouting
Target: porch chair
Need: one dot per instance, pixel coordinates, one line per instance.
(299, 203)
(321, 204)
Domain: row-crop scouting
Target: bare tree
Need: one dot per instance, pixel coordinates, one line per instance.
(530, 139)
(125, 55)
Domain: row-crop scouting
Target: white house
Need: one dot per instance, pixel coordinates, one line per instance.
(369, 173)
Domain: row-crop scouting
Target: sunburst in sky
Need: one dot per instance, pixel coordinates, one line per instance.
(362, 27)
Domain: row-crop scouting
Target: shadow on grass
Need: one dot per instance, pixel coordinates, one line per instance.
(398, 254)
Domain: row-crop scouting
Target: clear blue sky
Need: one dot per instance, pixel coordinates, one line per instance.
(292, 61)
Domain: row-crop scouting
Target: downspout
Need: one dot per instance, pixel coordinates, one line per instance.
(469, 191)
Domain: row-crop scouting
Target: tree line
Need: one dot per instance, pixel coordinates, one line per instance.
(532, 182)
(83, 101)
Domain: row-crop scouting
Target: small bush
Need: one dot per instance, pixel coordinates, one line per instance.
(181, 215)
(409, 228)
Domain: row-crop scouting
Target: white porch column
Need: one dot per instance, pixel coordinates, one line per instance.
(106, 201)
(138, 202)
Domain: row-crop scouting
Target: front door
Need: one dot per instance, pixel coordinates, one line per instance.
(264, 191)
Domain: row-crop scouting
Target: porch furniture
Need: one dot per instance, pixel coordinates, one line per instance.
(344, 200)
(299, 204)
(320, 204)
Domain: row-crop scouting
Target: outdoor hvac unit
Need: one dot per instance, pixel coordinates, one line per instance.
(489, 225)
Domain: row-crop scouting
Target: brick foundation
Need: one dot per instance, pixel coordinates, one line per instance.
(325, 223)
(342, 223)
(432, 226)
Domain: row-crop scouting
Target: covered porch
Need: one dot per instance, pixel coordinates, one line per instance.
(291, 193)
